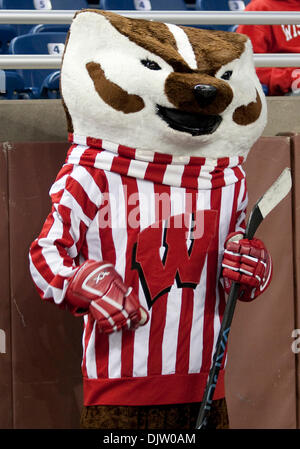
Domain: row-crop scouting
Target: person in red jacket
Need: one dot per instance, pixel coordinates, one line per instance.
(275, 39)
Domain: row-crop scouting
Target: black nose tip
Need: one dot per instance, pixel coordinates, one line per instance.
(205, 94)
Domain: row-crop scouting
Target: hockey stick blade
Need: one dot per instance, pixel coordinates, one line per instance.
(277, 192)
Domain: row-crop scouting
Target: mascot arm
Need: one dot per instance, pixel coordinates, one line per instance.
(97, 286)
(53, 254)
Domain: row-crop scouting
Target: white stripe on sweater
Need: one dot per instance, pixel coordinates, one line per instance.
(91, 365)
(118, 220)
(81, 140)
(48, 290)
(70, 202)
(59, 185)
(174, 301)
(104, 160)
(173, 175)
(76, 153)
(93, 240)
(241, 206)
(136, 169)
(196, 340)
(204, 178)
(87, 182)
(142, 335)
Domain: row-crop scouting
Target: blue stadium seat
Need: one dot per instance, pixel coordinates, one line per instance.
(50, 86)
(156, 5)
(190, 5)
(265, 89)
(220, 5)
(43, 4)
(11, 86)
(49, 28)
(33, 44)
(7, 33)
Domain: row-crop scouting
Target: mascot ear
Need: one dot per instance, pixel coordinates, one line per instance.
(88, 21)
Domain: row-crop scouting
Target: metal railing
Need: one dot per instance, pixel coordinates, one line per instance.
(54, 62)
(177, 17)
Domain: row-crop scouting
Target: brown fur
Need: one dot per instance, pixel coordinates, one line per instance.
(113, 94)
(213, 49)
(179, 90)
(244, 115)
(153, 36)
(173, 416)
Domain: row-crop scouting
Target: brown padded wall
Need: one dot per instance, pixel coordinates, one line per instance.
(46, 341)
(261, 376)
(296, 208)
(6, 417)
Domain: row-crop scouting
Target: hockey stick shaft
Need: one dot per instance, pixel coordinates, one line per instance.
(218, 357)
(264, 205)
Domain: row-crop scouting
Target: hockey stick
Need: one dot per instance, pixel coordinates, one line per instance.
(279, 189)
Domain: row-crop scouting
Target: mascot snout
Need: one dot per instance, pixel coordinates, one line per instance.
(202, 94)
(205, 94)
(198, 102)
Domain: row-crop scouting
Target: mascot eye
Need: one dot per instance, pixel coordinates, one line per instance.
(152, 65)
(227, 75)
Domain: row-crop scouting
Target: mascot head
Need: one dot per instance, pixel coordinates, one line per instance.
(160, 87)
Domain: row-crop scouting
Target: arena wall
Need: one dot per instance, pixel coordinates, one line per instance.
(44, 120)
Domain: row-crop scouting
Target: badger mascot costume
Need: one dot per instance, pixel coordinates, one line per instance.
(148, 212)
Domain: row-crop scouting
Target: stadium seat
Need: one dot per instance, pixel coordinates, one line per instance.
(33, 44)
(49, 28)
(190, 5)
(265, 89)
(7, 33)
(50, 86)
(220, 5)
(43, 4)
(143, 5)
(11, 86)
(40, 5)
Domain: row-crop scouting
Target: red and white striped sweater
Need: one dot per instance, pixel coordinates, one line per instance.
(162, 222)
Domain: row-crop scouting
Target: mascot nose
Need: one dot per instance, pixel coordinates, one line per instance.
(205, 94)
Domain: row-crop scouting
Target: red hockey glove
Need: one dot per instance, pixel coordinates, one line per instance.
(247, 262)
(97, 287)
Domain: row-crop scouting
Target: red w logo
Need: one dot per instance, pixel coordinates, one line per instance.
(174, 250)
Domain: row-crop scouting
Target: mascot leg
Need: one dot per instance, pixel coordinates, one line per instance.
(174, 416)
